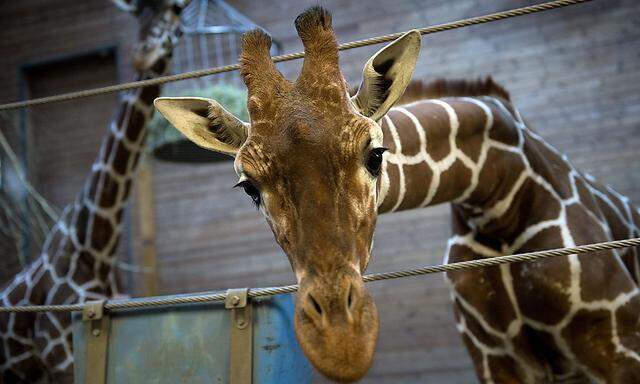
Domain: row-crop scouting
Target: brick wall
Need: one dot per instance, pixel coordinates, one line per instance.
(573, 73)
(36, 31)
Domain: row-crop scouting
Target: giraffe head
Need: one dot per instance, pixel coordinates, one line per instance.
(159, 30)
(310, 160)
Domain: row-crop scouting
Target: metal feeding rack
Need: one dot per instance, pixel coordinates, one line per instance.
(212, 38)
(212, 35)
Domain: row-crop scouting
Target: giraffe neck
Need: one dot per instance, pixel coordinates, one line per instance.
(94, 220)
(76, 262)
(466, 151)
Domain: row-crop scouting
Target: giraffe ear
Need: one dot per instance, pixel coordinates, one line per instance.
(205, 122)
(386, 75)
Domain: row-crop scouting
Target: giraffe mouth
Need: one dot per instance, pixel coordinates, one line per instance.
(337, 326)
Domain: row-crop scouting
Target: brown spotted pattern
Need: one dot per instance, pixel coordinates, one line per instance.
(556, 320)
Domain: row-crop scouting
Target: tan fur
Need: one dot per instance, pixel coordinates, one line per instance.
(293, 125)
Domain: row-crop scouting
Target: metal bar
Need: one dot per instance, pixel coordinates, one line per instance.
(241, 354)
(96, 328)
(147, 227)
(219, 53)
(188, 44)
(233, 52)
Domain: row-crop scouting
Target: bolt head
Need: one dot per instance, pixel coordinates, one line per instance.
(91, 314)
(235, 300)
(241, 323)
(96, 332)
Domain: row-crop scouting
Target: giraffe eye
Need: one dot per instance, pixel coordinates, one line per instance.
(374, 160)
(251, 190)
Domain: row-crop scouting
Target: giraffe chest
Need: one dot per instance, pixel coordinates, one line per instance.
(545, 315)
(514, 313)
(508, 295)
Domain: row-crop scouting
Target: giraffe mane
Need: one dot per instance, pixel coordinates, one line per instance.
(439, 88)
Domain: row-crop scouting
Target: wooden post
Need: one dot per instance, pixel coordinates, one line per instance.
(146, 215)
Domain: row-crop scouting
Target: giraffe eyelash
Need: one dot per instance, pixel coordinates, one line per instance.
(251, 190)
(373, 161)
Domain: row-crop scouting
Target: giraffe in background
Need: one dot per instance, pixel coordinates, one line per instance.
(77, 262)
(566, 319)
(321, 165)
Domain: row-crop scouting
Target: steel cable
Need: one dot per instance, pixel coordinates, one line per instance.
(269, 291)
(292, 56)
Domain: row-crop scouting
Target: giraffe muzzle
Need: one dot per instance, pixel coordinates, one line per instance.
(336, 324)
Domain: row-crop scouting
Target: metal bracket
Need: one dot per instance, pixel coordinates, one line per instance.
(97, 341)
(241, 354)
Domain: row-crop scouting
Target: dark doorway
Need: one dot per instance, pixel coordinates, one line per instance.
(64, 138)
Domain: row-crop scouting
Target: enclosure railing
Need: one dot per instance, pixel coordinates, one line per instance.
(292, 56)
(258, 292)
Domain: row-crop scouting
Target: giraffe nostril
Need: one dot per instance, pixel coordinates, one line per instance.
(315, 305)
(350, 298)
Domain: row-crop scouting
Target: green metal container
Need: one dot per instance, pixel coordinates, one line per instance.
(192, 343)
